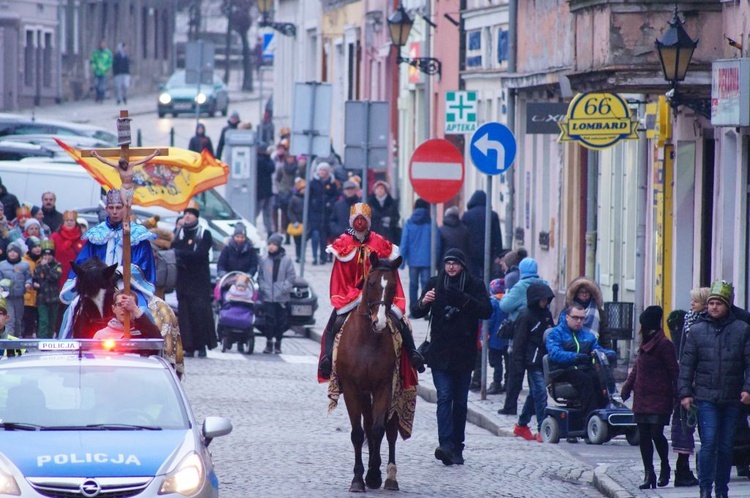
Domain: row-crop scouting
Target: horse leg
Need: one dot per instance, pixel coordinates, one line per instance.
(391, 432)
(354, 405)
(381, 403)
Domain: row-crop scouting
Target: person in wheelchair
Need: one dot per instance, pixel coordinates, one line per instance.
(570, 347)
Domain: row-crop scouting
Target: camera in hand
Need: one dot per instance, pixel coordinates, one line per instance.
(450, 313)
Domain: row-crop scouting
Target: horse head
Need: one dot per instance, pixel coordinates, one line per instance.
(379, 289)
(92, 276)
(95, 288)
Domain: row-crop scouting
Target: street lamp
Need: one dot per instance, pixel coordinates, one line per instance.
(675, 51)
(265, 7)
(399, 25)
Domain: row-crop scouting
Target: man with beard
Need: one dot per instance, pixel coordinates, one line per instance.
(457, 301)
(351, 252)
(192, 245)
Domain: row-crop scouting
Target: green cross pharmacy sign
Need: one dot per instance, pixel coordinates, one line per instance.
(460, 112)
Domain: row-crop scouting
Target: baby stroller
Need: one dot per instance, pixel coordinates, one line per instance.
(236, 316)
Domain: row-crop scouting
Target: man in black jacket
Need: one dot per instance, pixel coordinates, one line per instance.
(457, 301)
(264, 189)
(715, 375)
(473, 218)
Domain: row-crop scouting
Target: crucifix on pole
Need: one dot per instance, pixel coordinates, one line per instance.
(125, 169)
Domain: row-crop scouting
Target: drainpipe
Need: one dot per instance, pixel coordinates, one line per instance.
(640, 230)
(592, 173)
(510, 175)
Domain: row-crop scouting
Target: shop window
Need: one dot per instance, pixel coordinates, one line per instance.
(474, 49)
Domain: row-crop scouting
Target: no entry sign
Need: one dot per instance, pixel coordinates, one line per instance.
(436, 170)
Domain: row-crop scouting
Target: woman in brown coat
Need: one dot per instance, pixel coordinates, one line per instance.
(653, 382)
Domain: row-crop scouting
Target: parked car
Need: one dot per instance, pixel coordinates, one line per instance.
(179, 96)
(86, 418)
(16, 124)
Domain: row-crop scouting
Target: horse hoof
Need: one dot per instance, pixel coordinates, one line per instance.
(374, 480)
(357, 486)
(391, 485)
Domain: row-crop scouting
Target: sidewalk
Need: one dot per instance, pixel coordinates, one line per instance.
(618, 479)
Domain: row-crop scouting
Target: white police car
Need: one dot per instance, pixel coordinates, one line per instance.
(93, 419)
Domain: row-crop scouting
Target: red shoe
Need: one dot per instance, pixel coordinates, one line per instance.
(523, 431)
(539, 437)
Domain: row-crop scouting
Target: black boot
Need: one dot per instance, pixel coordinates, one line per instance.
(277, 347)
(407, 340)
(683, 476)
(326, 361)
(705, 492)
(269, 346)
(458, 454)
(664, 473)
(649, 479)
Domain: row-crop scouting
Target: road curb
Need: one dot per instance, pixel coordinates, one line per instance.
(607, 486)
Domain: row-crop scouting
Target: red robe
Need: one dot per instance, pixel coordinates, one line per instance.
(350, 265)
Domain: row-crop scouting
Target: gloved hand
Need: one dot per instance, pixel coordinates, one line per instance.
(625, 395)
(582, 359)
(455, 296)
(612, 358)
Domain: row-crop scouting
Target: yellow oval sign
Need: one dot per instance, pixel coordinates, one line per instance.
(598, 121)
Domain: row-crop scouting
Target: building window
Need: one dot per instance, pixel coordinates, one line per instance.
(502, 46)
(165, 34)
(474, 48)
(28, 59)
(156, 34)
(144, 32)
(47, 61)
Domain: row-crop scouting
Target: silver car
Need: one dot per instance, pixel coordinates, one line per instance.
(90, 418)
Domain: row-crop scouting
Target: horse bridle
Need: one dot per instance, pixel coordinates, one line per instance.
(372, 304)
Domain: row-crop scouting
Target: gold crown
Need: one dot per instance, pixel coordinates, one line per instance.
(360, 209)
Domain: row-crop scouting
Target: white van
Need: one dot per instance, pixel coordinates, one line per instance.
(75, 189)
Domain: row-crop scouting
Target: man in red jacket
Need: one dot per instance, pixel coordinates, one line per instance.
(351, 252)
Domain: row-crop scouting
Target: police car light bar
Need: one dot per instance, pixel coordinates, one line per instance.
(112, 345)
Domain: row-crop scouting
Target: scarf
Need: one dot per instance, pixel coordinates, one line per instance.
(591, 320)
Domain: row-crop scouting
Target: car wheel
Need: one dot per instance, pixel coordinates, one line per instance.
(550, 430)
(174, 114)
(597, 430)
(212, 110)
(162, 114)
(225, 111)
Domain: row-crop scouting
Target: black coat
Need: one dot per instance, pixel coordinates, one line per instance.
(200, 142)
(385, 218)
(715, 362)
(454, 342)
(192, 246)
(454, 234)
(53, 219)
(296, 209)
(10, 202)
(223, 137)
(322, 196)
(242, 258)
(528, 335)
(339, 221)
(473, 218)
(266, 169)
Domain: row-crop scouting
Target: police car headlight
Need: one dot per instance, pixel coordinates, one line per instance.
(8, 485)
(165, 98)
(200, 98)
(186, 478)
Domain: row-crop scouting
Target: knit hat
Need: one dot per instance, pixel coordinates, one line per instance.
(239, 229)
(528, 267)
(723, 291)
(322, 166)
(651, 318)
(18, 246)
(383, 184)
(455, 254)
(497, 286)
(30, 223)
(276, 239)
(32, 242)
(193, 207)
(113, 197)
(300, 184)
(48, 247)
(421, 203)
(234, 117)
(349, 184)
(451, 211)
(360, 209)
(35, 210)
(513, 258)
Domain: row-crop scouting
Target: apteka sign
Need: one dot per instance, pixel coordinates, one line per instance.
(598, 121)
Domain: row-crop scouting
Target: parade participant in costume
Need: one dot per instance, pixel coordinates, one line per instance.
(351, 263)
(105, 240)
(142, 326)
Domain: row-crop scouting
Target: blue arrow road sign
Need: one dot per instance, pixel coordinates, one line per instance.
(493, 148)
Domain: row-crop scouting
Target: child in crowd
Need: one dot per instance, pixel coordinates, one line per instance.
(241, 290)
(46, 281)
(498, 353)
(19, 273)
(30, 315)
(275, 278)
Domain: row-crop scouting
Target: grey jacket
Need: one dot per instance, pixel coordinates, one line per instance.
(19, 274)
(276, 290)
(715, 362)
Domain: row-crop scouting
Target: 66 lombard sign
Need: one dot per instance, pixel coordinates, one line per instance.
(598, 121)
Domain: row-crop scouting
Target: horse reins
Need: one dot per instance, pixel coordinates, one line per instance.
(372, 304)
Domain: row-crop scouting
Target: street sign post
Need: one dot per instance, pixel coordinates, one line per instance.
(366, 137)
(436, 172)
(493, 148)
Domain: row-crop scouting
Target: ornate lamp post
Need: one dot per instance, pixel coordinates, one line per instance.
(400, 24)
(675, 51)
(265, 7)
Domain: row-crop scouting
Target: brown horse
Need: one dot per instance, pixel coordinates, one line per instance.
(365, 366)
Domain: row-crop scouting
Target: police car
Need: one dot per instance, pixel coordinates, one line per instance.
(100, 419)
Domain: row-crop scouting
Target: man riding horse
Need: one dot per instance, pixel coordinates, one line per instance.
(351, 252)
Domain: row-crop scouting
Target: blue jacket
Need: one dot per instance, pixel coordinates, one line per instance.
(514, 300)
(563, 345)
(415, 239)
(498, 315)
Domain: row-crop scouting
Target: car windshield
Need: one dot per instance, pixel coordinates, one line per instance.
(90, 397)
(213, 207)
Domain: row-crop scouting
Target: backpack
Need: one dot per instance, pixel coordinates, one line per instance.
(166, 269)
